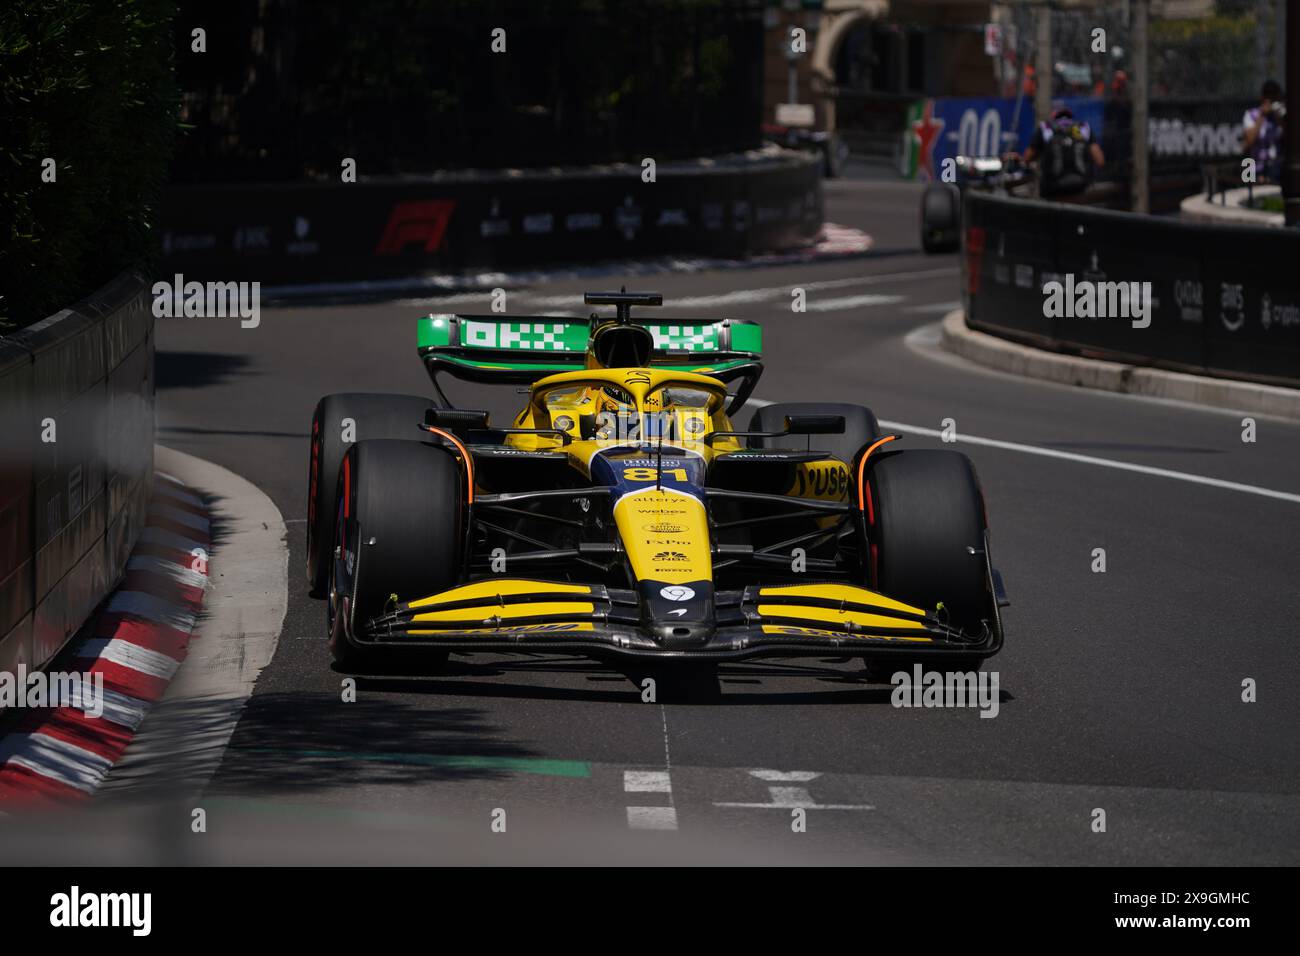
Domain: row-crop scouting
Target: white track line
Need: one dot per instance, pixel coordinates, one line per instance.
(1101, 462)
(1082, 459)
(851, 302)
(762, 294)
(943, 308)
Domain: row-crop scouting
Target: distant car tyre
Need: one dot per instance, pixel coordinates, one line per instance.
(371, 416)
(926, 526)
(860, 427)
(941, 218)
(399, 530)
(834, 154)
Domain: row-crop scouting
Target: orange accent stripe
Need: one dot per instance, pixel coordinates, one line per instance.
(862, 467)
(469, 461)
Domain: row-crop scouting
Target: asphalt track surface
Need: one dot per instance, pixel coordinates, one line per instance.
(1120, 691)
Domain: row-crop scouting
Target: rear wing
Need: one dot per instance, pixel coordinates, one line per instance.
(523, 349)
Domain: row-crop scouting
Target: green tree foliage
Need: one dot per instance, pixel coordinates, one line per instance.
(88, 84)
(413, 86)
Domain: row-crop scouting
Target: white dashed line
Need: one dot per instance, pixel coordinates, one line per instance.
(647, 781)
(652, 818)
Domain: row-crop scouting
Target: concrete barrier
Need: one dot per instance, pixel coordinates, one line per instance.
(77, 414)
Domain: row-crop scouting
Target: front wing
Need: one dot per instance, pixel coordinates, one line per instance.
(508, 615)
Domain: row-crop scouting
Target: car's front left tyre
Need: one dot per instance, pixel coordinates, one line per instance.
(338, 422)
(399, 531)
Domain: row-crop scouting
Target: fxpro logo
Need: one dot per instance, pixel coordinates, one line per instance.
(208, 300)
(76, 909)
(1086, 299)
(946, 689)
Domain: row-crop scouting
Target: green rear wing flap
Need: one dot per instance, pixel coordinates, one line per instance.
(522, 349)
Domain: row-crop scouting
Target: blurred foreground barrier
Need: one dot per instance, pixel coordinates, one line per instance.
(76, 416)
(397, 227)
(1224, 300)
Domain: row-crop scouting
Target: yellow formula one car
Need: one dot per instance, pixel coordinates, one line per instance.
(622, 514)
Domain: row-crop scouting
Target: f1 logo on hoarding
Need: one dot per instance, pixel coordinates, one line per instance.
(421, 221)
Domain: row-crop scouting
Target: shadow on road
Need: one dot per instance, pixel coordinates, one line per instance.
(197, 369)
(295, 743)
(827, 681)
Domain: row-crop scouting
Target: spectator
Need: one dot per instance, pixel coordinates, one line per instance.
(1262, 132)
(1067, 154)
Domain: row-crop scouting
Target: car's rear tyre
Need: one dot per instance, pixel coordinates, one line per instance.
(940, 218)
(860, 427)
(400, 530)
(926, 527)
(372, 416)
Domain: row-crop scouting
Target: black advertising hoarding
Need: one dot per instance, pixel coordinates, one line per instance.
(306, 233)
(1223, 300)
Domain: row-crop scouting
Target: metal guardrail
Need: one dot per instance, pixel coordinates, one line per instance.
(77, 416)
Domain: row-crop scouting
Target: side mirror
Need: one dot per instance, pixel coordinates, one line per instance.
(814, 424)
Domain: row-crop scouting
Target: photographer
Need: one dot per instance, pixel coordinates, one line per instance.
(1262, 132)
(1067, 154)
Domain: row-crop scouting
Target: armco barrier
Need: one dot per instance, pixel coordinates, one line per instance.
(396, 227)
(1225, 299)
(77, 419)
